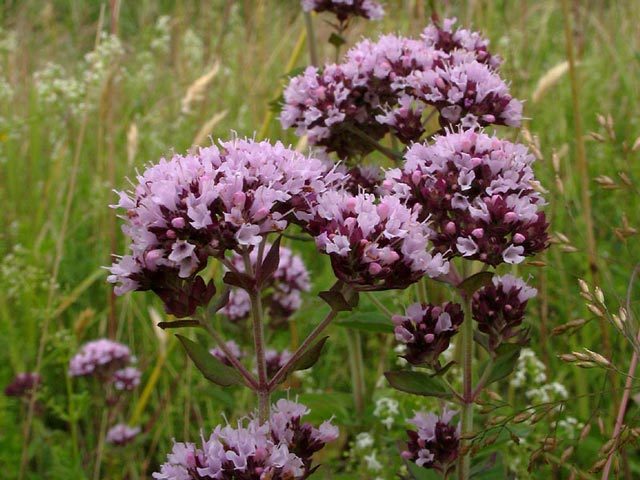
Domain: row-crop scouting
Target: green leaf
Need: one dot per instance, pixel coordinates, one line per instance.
(276, 104)
(340, 297)
(239, 279)
(336, 40)
(418, 383)
(507, 356)
(492, 468)
(373, 322)
(179, 324)
(421, 473)
(294, 72)
(442, 370)
(308, 359)
(213, 369)
(270, 263)
(475, 282)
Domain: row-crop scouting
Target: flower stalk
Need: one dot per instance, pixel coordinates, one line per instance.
(464, 462)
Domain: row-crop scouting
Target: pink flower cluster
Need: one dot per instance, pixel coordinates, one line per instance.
(281, 449)
(126, 378)
(386, 86)
(478, 193)
(189, 208)
(499, 309)
(374, 244)
(283, 290)
(122, 434)
(435, 442)
(426, 330)
(447, 39)
(344, 9)
(99, 357)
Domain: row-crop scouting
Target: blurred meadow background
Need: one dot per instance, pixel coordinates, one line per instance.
(90, 91)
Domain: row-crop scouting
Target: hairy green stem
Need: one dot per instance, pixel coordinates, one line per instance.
(464, 461)
(311, 39)
(356, 365)
(387, 152)
(379, 304)
(250, 379)
(259, 345)
(304, 346)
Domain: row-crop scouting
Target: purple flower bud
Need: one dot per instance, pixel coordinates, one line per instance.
(23, 384)
(435, 443)
(426, 330)
(122, 434)
(178, 222)
(499, 310)
(369, 9)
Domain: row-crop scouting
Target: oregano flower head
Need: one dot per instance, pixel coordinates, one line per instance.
(374, 244)
(426, 330)
(479, 194)
(220, 198)
(280, 449)
(345, 9)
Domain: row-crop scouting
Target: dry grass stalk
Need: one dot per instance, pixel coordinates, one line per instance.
(208, 127)
(196, 90)
(549, 80)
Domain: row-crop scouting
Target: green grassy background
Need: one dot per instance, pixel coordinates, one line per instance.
(59, 164)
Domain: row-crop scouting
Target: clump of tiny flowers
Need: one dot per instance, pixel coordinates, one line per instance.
(386, 86)
(479, 194)
(122, 434)
(283, 289)
(499, 309)
(374, 244)
(23, 384)
(200, 205)
(344, 9)
(386, 409)
(233, 348)
(126, 378)
(426, 330)
(280, 449)
(443, 36)
(435, 441)
(101, 358)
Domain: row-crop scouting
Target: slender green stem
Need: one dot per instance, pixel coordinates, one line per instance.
(464, 461)
(250, 379)
(302, 349)
(73, 420)
(311, 39)
(99, 450)
(387, 152)
(483, 379)
(354, 343)
(261, 363)
(379, 304)
(257, 318)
